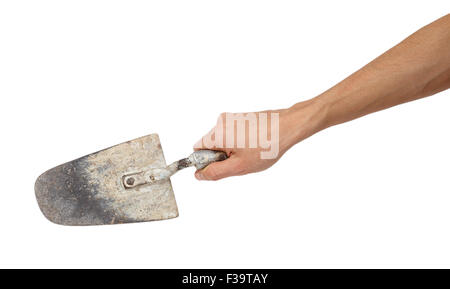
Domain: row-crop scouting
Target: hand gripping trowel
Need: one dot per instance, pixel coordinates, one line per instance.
(126, 183)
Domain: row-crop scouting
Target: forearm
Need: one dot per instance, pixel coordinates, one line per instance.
(417, 67)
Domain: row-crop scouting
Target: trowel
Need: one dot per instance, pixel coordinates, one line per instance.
(126, 183)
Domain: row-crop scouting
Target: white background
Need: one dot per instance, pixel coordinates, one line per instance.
(79, 76)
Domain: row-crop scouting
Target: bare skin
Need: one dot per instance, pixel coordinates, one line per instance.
(417, 67)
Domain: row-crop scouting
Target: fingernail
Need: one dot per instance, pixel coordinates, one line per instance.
(199, 176)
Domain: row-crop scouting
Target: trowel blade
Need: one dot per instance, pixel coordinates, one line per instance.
(89, 190)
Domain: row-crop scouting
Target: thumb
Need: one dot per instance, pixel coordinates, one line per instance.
(219, 170)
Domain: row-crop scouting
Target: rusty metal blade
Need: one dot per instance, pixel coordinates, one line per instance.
(89, 190)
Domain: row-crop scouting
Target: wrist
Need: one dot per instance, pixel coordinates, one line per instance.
(304, 119)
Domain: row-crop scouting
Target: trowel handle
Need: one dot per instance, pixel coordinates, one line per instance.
(201, 158)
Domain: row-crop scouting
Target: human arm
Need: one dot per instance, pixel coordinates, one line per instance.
(417, 67)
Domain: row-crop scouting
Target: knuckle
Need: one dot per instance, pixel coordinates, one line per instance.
(214, 179)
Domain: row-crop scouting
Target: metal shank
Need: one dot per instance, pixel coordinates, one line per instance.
(200, 159)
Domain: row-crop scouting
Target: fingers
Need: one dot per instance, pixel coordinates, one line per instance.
(230, 167)
(203, 144)
(214, 139)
